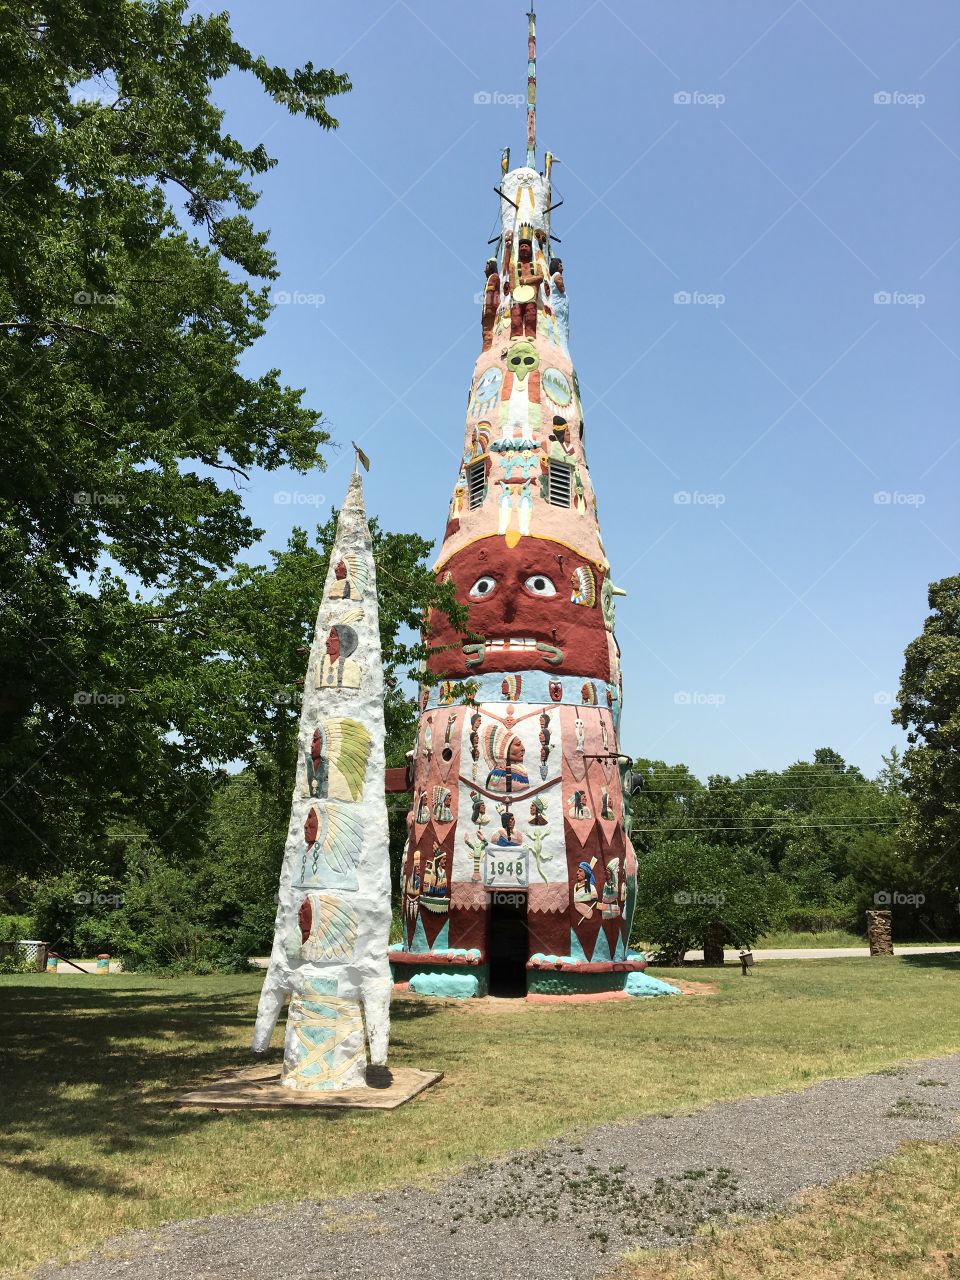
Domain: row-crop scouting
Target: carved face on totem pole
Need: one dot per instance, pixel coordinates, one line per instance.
(523, 358)
(528, 604)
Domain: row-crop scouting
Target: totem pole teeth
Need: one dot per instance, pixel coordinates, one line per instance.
(553, 655)
(475, 653)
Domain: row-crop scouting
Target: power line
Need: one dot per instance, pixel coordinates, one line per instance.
(770, 790)
(790, 817)
(803, 826)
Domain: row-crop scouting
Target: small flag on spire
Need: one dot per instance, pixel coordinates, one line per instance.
(362, 458)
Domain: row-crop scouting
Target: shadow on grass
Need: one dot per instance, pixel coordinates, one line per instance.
(949, 960)
(412, 1010)
(100, 1066)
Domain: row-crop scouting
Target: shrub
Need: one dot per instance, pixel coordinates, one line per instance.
(691, 894)
(798, 919)
(76, 911)
(12, 960)
(15, 927)
(159, 926)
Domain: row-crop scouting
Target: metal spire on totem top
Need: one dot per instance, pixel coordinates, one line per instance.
(531, 88)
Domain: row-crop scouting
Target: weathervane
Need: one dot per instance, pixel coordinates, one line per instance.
(361, 459)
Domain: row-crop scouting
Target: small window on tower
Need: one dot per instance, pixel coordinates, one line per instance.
(477, 483)
(559, 483)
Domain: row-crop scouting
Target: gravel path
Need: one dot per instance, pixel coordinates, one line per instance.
(566, 1210)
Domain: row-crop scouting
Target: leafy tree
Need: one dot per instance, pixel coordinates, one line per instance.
(691, 894)
(664, 799)
(928, 707)
(132, 281)
(218, 669)
(246, 662)
(241, 642)
(827, 833)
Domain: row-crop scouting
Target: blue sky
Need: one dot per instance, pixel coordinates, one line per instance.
(777, 458)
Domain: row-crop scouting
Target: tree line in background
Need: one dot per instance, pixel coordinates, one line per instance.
(810, 848)
(815, 847)
(149, 675)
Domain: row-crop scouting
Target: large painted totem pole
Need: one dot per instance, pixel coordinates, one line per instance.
(519, 870)
(333, 919)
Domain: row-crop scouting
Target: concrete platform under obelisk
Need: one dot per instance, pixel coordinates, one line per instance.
(259, 1088)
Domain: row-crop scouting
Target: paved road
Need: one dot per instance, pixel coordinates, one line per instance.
(825, 953)
(779, 953)
(563, 1211)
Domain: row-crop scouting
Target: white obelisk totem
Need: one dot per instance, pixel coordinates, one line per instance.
(333, 920)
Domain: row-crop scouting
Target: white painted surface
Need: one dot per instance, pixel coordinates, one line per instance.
(351, 866)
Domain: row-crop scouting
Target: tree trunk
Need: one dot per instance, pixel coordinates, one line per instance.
(713, 945)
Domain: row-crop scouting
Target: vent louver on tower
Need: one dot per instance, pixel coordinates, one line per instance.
(559, 483)
(476, 483)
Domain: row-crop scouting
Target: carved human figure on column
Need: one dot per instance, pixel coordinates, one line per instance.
(491, 302)
(561, 303)
(525, 276)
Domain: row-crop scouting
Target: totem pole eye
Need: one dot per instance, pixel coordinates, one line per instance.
(540, 585)
(484, 586)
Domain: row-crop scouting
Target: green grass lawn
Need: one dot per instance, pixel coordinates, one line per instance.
(91, 1148)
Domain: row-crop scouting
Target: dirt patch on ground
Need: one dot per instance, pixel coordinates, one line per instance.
(695, 988)
(513, 1004)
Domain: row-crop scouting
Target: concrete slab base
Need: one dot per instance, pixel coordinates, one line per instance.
(260, 1088)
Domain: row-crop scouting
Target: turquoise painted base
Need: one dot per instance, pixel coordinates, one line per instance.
(567, 982)
(443, 980)
(642, 984)
(467, 983)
